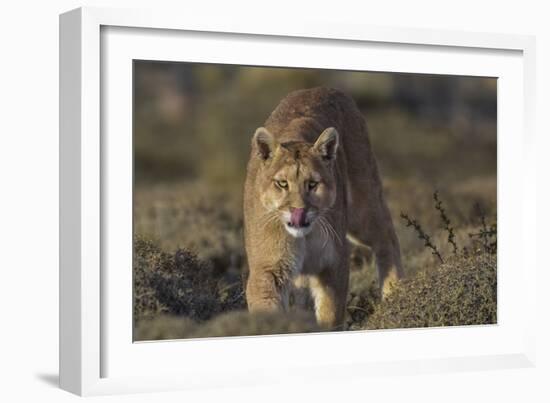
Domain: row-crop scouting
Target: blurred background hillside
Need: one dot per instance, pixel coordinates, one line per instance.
(193, 125)
(194, 121)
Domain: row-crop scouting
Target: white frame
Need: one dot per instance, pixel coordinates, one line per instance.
(81, 161)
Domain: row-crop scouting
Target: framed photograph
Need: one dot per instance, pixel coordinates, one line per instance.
(246, 202)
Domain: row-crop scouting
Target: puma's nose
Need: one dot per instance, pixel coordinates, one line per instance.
(298, 217)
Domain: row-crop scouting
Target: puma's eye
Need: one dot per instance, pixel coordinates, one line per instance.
(312, 185)
(282, 184)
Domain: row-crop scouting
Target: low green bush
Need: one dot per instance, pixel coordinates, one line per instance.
(180, 284)
(461, 291)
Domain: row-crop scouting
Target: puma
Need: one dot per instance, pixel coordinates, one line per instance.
(312, 186)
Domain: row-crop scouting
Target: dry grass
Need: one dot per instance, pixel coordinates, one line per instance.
(195, 216)
(232, 323)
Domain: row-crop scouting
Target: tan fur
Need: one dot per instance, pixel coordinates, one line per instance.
(316, 136)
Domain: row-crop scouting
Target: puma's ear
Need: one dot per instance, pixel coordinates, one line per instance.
(327, 144)
(264, 142)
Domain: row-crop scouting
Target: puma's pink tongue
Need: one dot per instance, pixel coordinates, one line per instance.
(298, 217)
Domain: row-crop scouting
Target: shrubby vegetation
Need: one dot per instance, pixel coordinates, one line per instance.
(178, 295)
(180, 284)
(461, 291)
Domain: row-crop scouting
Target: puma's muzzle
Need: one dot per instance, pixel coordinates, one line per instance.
(298, 217)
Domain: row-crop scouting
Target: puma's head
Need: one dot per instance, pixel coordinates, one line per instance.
(297, 179)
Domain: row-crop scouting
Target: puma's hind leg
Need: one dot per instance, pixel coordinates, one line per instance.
(376, 231)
